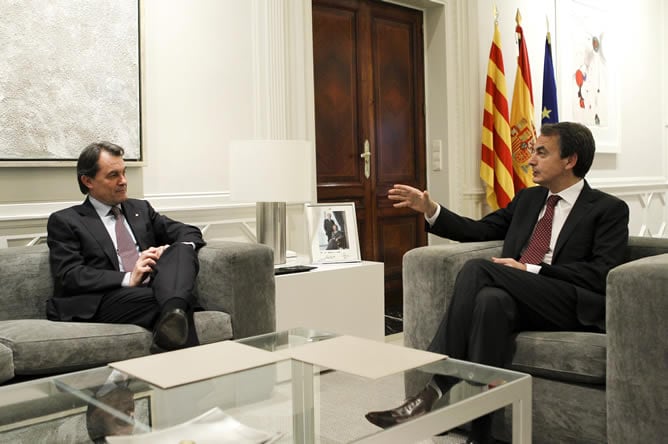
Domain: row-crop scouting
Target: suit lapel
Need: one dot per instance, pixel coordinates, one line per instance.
(531, 209)
(580, 209)
(91, 220)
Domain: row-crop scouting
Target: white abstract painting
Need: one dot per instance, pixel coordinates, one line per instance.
(587, 49)
(69, 76)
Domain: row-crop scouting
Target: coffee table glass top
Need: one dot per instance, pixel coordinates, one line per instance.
(284, 402)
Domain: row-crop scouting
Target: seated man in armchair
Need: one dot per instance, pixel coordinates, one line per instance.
(115, 259)
(560, 241)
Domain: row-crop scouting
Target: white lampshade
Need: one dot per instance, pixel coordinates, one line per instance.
(271, 171)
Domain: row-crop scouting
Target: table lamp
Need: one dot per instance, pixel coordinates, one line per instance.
(271, 173)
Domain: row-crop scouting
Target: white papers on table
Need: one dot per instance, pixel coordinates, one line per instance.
(362, 357)
(193, 364)
(213, 427)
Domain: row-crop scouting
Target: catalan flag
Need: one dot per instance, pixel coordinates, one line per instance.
(496, 165)
(522, 128)
(550, 112)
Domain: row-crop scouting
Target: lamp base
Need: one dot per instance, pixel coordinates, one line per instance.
(270, 228)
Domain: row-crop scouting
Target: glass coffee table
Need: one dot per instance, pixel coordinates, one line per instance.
(284, 402)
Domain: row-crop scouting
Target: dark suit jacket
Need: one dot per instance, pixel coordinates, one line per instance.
(591, 242)
(83, 260)
(327, 225)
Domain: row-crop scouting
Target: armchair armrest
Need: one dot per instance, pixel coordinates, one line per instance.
(637, 322)
(238, 278)
(429, 275)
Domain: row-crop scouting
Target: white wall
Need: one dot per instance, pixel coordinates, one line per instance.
(639, 171)
(207, 73)
(197, 92)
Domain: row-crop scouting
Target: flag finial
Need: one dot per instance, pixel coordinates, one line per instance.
(547, 25)
(518, 17)
(496, 15)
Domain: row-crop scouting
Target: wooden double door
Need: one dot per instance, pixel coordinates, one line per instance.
(370, 131)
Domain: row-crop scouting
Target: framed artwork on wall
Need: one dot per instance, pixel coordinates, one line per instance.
(332, 232)
(587, 71)
(70, 76)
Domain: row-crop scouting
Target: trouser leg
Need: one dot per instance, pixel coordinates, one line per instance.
(171, 286)
(128, 305)
(520, 299)
(174, 275)
(490, 302)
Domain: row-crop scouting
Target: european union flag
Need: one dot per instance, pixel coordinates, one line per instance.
(550, 113)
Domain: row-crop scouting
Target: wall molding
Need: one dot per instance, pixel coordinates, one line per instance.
(161, 202)
(220, 200)
(629, 185)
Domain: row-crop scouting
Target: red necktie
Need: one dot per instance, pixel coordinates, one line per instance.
(127, 249)
(540, 239)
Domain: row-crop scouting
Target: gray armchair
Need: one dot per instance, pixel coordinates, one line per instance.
(235, 286)
(587, 387)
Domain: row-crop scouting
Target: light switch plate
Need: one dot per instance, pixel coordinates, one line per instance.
(436, 151)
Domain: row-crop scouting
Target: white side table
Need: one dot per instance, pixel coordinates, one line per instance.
(341, 298)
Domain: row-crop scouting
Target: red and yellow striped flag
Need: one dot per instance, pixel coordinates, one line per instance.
(522, 128)
(496, 164)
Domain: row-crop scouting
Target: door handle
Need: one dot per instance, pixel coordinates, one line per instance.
(366, 155)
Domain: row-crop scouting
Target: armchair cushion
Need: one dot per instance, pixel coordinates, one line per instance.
(40, 346)
(561, 355)
(6, 364)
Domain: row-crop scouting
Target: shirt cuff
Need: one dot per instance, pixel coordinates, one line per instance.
(126, 280)
(432, 219)
(533, 268)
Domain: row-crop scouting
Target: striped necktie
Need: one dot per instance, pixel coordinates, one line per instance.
(540, 239)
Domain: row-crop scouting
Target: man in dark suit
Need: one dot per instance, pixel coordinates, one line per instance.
(328, 226)
(562, 287)
(93, 279)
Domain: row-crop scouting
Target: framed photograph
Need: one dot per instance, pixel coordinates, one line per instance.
(332, 232)
(587, 52)
(70, 76)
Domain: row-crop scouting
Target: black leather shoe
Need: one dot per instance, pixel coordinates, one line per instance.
(171, 331)
(412, 407)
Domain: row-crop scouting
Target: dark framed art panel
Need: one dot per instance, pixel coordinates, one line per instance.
(70, 75)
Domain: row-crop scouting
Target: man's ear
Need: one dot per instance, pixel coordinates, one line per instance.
(87, 181)
(572, 160)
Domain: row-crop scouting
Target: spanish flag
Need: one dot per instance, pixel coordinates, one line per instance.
(522, 128)
(496, 165)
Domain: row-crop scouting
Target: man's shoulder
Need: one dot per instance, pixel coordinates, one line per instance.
(530, 194)
(70, 211)
(597, 195)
